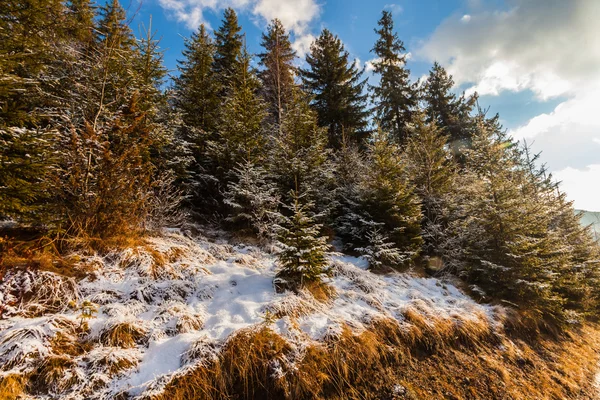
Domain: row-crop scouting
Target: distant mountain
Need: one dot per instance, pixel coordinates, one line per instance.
(591, 218)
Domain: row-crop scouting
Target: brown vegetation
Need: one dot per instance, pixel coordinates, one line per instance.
(421, 359)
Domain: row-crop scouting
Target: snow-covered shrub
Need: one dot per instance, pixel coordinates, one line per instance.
(381, 251)
(302, 255)
(252, 198)
(110, 361)
(34, 293)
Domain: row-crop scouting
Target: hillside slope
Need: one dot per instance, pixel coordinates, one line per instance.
(186, 317)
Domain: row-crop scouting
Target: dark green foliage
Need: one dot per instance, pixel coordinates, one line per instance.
(302, 256)
(395, 97)
(228, 46)
(451, 114)
(298, 150)
(26, 160)
(389, 197)
(197, 87)
(337, 87)
(241, 130)
(347, 213)
(433, 173)
(196, 97)
(277, 76)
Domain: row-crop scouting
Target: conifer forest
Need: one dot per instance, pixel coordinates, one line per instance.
(281, 225)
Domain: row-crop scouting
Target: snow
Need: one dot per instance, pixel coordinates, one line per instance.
(198, 293)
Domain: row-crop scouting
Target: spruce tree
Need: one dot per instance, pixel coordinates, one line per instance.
(196, 98)
(32, 38)
(196, 89)
(80, 24)
(348, 216)
(499, 238)
(389, 197)
(150, 72)
(380, 251)
(337, 87)
(298, 153)
(277, 75)
(228, 45)
(241, 130)
(302, 257)
(451, 114)
(252, 200)
(395, 97)
(433, 173)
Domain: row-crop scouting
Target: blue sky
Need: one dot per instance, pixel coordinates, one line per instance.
(536, 62)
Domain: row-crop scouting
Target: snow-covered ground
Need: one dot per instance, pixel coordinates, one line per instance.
(185, 295)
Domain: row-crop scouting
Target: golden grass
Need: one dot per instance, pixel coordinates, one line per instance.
(418, 359)
(12, 387)
(124, 334)
(320, 291)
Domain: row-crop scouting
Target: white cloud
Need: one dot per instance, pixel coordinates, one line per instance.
(581, 186)
(394, 8)
(369, 67)
(548, 46)
(301, 44)
(551, 47)
(295, 15)
(578, 115)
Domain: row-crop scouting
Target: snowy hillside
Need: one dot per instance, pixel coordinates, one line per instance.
(163, 308)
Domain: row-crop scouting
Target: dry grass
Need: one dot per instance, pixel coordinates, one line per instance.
(418, 359)
(320, 291)
(124, 334)
(12, 387)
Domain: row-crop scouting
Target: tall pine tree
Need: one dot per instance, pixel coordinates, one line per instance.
(395, 97)
(228, 45)
(448, 112)
(277, 75)
(337, 86)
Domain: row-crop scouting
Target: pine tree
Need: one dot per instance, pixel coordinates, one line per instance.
(252, 199)
(380, 251)
(31, 42)
(448, 112)
(348, 216)
(228, 44)
(395, 98)
(302, 256)
(298, 154)
(389, 197)
(197, 87)
(196, 98)
(337, 87)
(433, 173)
(241, 130)
(277, 76)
